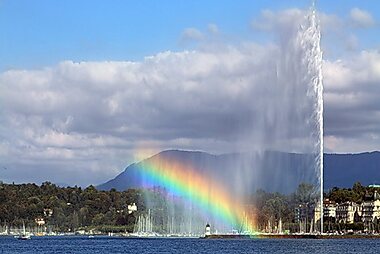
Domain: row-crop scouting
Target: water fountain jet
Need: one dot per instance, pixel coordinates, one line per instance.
(288, 128)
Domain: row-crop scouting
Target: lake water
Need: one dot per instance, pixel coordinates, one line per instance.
(65, 245)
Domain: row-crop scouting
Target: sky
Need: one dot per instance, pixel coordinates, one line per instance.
(88, 87)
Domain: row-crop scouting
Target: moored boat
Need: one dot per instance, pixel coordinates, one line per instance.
(24, 235)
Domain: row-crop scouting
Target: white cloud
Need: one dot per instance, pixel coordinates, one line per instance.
(352, 102)
(81, 112)
(285, 23)
(287, 20)
(336, 30)
(191, 34)
(361, 18)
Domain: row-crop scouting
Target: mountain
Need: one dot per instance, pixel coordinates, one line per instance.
(342, 170)
(271, 171)
(131, 177)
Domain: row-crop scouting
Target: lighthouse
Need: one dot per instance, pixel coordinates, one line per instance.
(208, 230)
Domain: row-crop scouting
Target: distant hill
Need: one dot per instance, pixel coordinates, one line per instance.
(342, 170)
(271, 171)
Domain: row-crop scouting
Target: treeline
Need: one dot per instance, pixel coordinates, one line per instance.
(356, 194)
(67, 209)
(72, 208)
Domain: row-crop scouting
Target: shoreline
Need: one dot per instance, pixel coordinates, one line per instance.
(290, 236)
(217, 236)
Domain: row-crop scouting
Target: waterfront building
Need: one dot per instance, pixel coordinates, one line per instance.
(371, 208)
(329, 210)
(348, 212)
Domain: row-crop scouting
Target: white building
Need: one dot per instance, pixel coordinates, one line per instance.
(329, 209)
(371, 208)
(132, 208)
(345, 212)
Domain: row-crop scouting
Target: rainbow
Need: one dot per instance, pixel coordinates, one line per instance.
(186, 182)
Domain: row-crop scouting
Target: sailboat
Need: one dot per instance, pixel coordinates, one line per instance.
(24, 235)
(144, 226)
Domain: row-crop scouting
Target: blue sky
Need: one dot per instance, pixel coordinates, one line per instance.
(88, 87)
(39, 33)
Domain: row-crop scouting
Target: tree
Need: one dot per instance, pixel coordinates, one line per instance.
(305, 193)
(359, 192)
(98, 219)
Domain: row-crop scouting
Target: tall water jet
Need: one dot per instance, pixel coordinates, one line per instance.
(312, 37)
(282, 153)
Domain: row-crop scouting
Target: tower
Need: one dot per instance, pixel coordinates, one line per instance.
(208, 230)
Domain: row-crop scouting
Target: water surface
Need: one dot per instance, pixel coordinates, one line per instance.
(183, 245)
